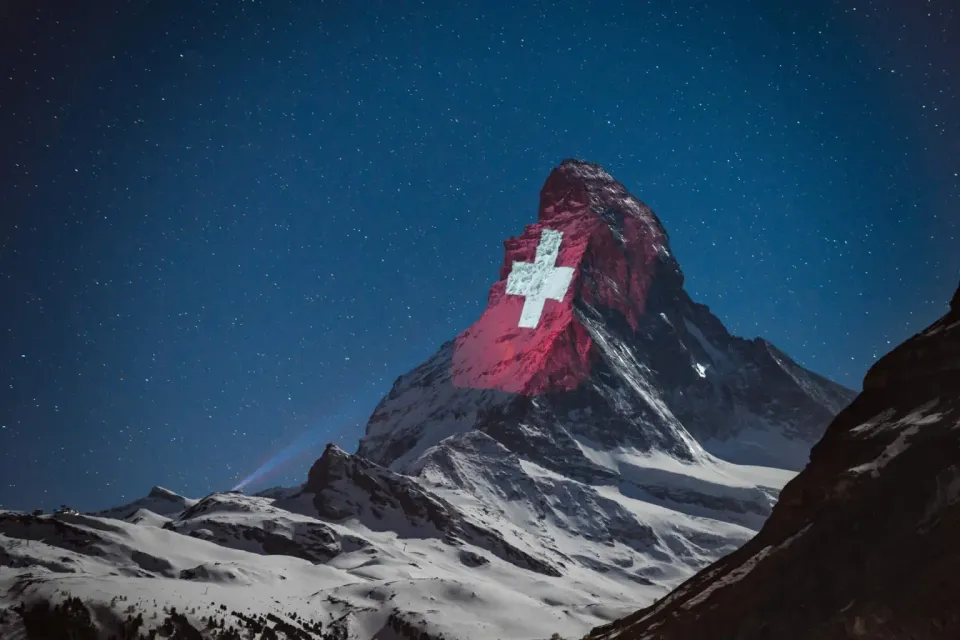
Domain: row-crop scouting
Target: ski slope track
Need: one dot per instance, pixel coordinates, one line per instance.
(558, 464)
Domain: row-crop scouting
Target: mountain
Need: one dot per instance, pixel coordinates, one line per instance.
(863, 542)
(592, 440)
(624, 359)
(155, 507)
(612, 406)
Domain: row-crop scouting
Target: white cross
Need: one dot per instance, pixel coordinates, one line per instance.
(540, 279)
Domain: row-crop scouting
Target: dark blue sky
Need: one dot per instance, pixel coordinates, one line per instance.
(228, 226)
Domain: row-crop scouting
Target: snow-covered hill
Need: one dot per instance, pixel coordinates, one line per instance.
(370, 548)
(249, 555)
(593, 440)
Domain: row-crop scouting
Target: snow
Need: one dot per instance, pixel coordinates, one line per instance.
(209, 556)
(682, 537)
(623, 360)
(160, 502)
(625, 460)
(147, 518)
(715, 354)
(427, 410)
(759, 445)
(908, 427)
(423, 578)
(879, 420)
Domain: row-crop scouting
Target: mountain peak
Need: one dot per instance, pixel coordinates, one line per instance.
(590, 343)
(575, 183)
(594, 246)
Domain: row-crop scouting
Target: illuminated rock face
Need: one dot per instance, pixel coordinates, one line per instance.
(594, 244)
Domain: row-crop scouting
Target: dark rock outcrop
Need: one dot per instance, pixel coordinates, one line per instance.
(863, 542)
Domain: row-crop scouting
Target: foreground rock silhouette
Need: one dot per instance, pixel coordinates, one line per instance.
(865, 541)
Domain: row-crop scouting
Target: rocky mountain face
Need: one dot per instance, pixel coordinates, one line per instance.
(592, 440)
(863, 542)
(345, 486)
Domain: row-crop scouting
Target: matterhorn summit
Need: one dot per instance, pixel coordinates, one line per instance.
(593, 439)
(594, 246)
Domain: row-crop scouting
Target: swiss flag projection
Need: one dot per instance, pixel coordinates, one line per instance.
(593, 241)
(527, 340)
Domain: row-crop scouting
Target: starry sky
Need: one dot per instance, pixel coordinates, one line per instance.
(226, 227)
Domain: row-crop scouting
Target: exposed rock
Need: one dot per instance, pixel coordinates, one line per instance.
(471, 559)
(608, 244)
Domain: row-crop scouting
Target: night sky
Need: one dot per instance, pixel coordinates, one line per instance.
(227, 227)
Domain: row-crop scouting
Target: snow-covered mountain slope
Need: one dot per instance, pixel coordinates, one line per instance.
(863, 543)
(154, 508)
(234, 553)
(360, 551)
(591, 441)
